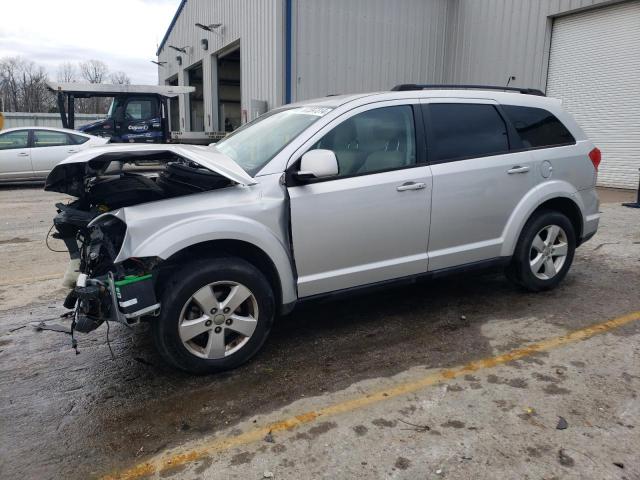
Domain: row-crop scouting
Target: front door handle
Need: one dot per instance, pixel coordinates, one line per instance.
(411, 186)
(23, 154)
(517, 169)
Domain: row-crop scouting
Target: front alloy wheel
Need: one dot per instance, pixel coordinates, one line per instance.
(216, 314)
(218, 320)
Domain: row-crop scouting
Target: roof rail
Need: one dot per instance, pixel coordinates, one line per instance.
(412, 86)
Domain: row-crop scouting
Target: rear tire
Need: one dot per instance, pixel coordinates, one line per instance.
(216, 314)
(544, 252)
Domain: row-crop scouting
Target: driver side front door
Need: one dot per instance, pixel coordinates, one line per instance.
(141, 121)
(371, 222)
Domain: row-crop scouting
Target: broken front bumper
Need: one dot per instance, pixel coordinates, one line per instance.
(102, 299)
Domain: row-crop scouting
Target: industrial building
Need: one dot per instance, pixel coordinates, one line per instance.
(248, 56)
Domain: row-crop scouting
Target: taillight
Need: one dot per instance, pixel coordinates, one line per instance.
(596, 157)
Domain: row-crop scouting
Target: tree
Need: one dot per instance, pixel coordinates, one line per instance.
(35, 95)
(120, 78)
(93, 71)
(10, 83)
(67, 73)
(23, 86)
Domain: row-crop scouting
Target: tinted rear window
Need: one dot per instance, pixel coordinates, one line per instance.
(537, 127)
(466, 130)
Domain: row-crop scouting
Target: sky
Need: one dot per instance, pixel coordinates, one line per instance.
(122, 33)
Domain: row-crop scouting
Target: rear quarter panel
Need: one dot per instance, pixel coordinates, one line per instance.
(570, 164)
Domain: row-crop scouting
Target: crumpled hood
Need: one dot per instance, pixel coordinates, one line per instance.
(68, 176)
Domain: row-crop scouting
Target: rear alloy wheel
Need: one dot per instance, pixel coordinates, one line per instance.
(548, 252)
(544, 252)
(216, 314)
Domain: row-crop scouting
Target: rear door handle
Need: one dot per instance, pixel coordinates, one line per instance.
(72, 151)
(517, 169)
(411, 186)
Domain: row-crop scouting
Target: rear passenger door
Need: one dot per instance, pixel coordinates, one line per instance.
(477, 182)
(50, 147)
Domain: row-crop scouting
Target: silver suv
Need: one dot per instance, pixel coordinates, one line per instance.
(321, 197)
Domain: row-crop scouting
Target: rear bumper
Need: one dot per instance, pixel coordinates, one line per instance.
(586, 238)
(590, 212)
(590, 227)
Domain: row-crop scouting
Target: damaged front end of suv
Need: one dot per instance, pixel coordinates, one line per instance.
(103, 289)
(108, 283)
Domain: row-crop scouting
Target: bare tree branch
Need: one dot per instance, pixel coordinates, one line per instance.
(67, 72)
(93, 71)
(120, 78)
(23, 86)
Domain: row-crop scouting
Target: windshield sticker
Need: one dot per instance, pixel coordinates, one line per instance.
(317, 111)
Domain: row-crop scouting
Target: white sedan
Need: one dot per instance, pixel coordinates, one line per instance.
(30, 153)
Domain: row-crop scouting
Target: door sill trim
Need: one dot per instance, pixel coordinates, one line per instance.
(490, 264)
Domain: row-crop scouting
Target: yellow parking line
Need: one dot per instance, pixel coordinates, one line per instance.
(177, 458)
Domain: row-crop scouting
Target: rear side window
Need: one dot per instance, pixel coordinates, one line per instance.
(537, 127)
(78, 139)
(49, 138)
(465, 130)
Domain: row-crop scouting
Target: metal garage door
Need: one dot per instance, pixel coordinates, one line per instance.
(594, 67)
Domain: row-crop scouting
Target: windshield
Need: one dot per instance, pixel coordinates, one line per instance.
(255, 144)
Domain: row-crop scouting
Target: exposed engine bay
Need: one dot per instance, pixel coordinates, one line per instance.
(101, 289)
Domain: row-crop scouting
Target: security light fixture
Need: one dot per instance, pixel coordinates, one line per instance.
(179, 59)
(180, 49)
(160, 64)
(205, 44)
(209, 28)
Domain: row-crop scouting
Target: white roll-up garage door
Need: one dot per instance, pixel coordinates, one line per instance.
(594, 67)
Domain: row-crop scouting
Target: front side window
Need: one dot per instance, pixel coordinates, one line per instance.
(373, 141)
(142, 109)
(255, 144)
(466, 130)
(49, 138)
(537, 127)
(14, 140)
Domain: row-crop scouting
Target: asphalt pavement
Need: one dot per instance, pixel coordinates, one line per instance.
(466, 377)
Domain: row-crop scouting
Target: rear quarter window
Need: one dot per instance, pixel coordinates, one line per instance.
(537, 127)
(466, 130)
(78, 139)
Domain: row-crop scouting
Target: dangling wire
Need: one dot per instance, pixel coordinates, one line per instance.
(46, 241)
(113, 357)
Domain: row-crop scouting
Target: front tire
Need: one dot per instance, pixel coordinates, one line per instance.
(544, 252)
(216, 314)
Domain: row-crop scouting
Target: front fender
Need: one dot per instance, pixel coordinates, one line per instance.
(179, 235)
(529, 203)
